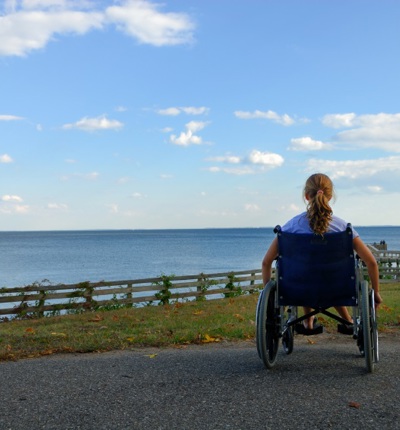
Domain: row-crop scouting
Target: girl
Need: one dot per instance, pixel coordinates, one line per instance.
(319, 219)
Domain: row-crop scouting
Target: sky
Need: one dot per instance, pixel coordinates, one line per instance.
(142, 114)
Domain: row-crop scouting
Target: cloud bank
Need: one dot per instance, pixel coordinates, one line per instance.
(29, 25)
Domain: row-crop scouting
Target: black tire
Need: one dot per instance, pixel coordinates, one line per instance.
(268, 326)
(288, 340)
(374, 327)
(366, 326)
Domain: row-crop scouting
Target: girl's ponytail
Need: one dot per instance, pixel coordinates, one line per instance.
(318, 191)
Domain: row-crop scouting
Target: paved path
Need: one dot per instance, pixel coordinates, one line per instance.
(206, 387)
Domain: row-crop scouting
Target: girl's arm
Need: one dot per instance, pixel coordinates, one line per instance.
(268, 259)
(372, 266)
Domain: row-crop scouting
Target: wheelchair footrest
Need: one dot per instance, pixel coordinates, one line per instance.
(345, 329)
(301, 329)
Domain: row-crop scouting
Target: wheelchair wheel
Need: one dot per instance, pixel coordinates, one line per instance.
(288, 332)
(288, 340)
(367, 330)
(374, 326)
(268, 326)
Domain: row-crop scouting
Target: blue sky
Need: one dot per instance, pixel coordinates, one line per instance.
(192, 114)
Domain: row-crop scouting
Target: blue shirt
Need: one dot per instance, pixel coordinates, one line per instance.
(300, 224)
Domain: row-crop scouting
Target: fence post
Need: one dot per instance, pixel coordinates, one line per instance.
(88, 297)
(129, 295)
(41, 303)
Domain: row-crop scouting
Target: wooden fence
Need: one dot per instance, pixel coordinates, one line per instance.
(37, 300)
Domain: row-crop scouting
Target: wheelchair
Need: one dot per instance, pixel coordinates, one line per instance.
(317, 272)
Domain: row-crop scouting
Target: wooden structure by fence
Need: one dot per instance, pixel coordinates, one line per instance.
(37, 300)
(389, 262)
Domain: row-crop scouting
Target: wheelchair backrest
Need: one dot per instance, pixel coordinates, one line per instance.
(316, 271)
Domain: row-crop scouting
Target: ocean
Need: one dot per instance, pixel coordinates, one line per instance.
(70, 257)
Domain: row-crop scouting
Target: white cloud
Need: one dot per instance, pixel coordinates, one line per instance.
(189, 137)
(113, 208)
(171, 111)
(167, 130)
(375, 189)
(28, 25)
(251, 207)
(292, 207)
(142, 20)
(255, 162)
(381, 131)
(339, 120)
(189, 110)
(230, 159)
(14, 209)
(11, 198)
(57, 206)
(8, 117)
(137, 195)
(92, 176)
(121, 109)
(21, 209)
(5, 158)
(267, 159)
(284, 119)
(195, 110)
(93, 124)
(12, 205)
(307, 144)
(354, 169)
(238, 171)
(46, 4)
(26, 30)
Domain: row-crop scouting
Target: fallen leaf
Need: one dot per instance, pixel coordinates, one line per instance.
(130, 339)
(29, 330)
(310, 341)
(239, 317)
(152, 355)
(354, 405)
(115, 318)
(178, 305)
(208, 339)
(198, 312)
(58, 334)
(96, 318)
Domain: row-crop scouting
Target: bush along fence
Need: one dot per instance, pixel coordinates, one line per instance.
(43, 299)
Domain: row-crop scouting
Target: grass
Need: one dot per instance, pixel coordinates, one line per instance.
(158, 326)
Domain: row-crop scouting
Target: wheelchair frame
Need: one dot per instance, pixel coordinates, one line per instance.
(276, 317)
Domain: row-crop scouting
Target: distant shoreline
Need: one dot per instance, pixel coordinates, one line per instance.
(122, 230)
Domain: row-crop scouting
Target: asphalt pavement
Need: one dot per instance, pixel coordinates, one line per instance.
(323, 384)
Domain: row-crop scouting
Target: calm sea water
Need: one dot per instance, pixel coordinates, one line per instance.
(76, 256)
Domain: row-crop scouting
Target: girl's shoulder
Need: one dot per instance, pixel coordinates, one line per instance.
(298, 224)
(338, 224)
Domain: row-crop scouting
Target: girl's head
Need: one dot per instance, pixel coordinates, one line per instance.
(318, 191)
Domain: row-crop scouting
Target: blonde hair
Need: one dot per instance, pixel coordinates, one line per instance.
(318, 191)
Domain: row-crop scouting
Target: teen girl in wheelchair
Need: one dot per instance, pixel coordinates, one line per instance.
(317, 266)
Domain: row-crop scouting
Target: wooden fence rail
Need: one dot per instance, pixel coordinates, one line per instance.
(45, 299)
(38, 299)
